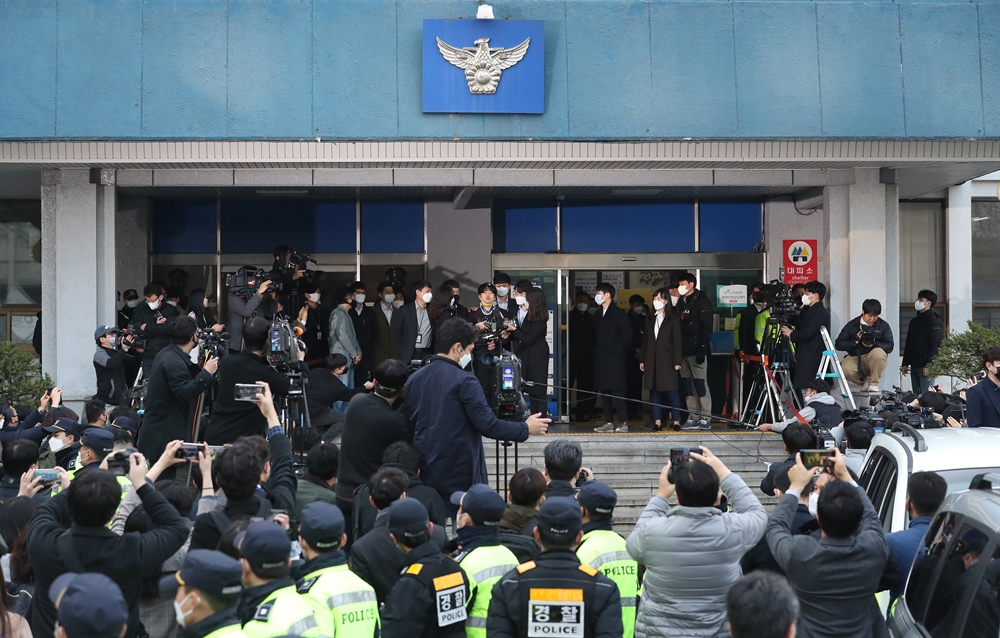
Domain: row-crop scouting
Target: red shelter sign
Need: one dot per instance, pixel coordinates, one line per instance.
(800, 261)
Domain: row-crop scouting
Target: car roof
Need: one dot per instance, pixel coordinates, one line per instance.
(981, 505)
(949, 448)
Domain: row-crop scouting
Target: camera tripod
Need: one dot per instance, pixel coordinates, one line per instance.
(771, 389)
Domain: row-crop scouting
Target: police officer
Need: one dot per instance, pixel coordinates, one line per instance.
(481, 556)
(327, 579)
(604, 549)
(95, 445)
(81, 614)
(429, 599)
(207, 589)
(269, 605)
(555, 594)
(64, 442)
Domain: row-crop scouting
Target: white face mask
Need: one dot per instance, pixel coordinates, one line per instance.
(179, 613)
(359, 297)
(582, 307)
(389, 299)
(465, 359)
(502, 291)
(521, 301)
(172, 303)
(674, 300)
(314, 297)
(684, 289)
(132, 304)
(919, 305)
(398, 303)
(427, 296)
(658, 305)
(599, 299)
(56, 444)
(592, 310)
(639, 310)
(813, 504)
(805, 300)
(153, 305)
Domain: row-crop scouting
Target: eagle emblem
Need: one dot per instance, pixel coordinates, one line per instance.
(482, 63)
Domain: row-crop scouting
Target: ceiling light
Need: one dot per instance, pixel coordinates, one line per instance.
(636, 191)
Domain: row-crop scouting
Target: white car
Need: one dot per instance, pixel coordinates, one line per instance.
(956, 454)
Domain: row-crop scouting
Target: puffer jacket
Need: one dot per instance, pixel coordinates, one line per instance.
(692, 557)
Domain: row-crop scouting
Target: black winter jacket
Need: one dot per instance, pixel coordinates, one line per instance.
(157, 335)
(923, 338)
(697, 321)
(114, 369)
(880, 337)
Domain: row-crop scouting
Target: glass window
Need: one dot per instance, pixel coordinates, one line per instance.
(524, 227)
(986, 252)
(184, 227)
(926, 568)
(392, 227)
(728, 227)
(20, 253)
(979, 592)
(617, 227)
(921, 250)
(710, 282)
(309, 226)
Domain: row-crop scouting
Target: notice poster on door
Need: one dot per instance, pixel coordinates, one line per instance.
(614, 277)
(800, 261)
(586, 280)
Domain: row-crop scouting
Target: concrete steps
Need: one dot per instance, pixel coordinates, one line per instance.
(631, 463)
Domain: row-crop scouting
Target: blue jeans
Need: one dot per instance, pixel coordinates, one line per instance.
(347, 379)
(918, 381)
(673, 399)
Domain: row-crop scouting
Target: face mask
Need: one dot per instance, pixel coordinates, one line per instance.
(179, 613)
(674, 300)
(314, 297)
(658, 305)
(360, 298)
(502, 290)
(521, 301)
(582, 307)
(599, 299)
(56, 444)
(398, 303)
(465, 359)
(638, 310)
(805, 300)
(172, 303)
(684, 289)
(112, 342)
(153, 305)
(132, 304)
(427, 297)
(389, 299)
(919, 305)
(591, 310)
(813, 504)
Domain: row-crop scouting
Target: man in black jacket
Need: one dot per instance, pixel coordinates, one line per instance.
(151, 317)
(613, 335)
(923, 338)
(412, 327)
(868, 342)
(697, 322)
(365, 329)
(326, 389)
(174, 384)
(806, 336)
(581, 357)
(70, 533)
(114, 367)
(231, 418)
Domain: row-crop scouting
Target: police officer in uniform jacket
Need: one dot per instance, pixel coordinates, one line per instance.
(556, 594)
(429, 600)
(81, 613)
(206, 590)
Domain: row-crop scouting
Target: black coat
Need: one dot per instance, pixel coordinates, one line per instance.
(316, 334)
(808, 343)
(174, 384)
(365, 513)
(581, 338)
(365, 330)
(529, 344)
(125, 559)
(923, 338)
(404, 326)
(232, 419)
(660, 353)
(613, 334)
(370, 426)
(697, 319)
(748, 331)
(157, 335)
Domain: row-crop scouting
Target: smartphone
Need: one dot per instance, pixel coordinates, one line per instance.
(247, 391)
(47, 477)
(190, 451)
(680, 455)
(817, 458)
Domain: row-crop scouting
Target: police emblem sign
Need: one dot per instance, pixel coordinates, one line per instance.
(484, 66)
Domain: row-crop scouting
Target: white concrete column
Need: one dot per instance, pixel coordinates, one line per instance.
(958, 256)
(78, 276)
(836, 204)
(459, 247)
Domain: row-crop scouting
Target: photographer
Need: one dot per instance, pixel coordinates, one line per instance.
(328, 394)
(450, 415)
(819, 405)
(806, 336)
(923, 338)
(151, 318)
(485, 318)
(115, 367)
(867, 340)
(174, 384)
(231, 418)
(243, 304)
(196, 306)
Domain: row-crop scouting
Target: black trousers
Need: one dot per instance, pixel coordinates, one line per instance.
(583, 374)
(614, 401)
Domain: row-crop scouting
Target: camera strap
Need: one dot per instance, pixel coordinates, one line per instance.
(67, 551)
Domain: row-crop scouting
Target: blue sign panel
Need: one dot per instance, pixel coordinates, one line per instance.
(484, 66)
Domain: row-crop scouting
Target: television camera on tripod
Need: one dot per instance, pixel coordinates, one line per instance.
(771, 389)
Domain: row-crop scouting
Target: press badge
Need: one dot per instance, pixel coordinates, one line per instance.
(449, 592)
(420, 339)
(555, 612)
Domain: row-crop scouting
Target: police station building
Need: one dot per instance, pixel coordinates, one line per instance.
(562, 141)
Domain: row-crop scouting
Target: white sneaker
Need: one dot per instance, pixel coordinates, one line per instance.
(873, 389)
(622, 428)
(607, 427)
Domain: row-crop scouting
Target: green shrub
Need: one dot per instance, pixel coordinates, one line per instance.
(21, 378)
(961, 354)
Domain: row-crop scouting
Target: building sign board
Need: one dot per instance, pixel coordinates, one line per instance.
(800, 260)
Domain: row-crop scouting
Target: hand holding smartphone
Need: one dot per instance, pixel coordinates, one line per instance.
(679, 455)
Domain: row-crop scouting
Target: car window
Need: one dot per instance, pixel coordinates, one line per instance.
(926, 565)
(959, 480)
(879, 480)
(979, 595)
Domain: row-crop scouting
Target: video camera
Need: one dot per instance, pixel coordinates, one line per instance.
(495, 326)
(863, 415)
(212, 344)
(294, 261)
(282, 344)
(509, 397)
(777, 296)
(896, 406)
(244, 282)
(132, 332)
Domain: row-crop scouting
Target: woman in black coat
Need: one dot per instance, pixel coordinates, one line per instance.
(528, 342)
(807, 338)
(660, 358)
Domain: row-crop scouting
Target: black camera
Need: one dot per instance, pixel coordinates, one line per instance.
(244, 282)
(135, 335)
(509, 397)
(282, 344)
(118, 462)
(777, 297)
(212, 344)
(863, 415)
